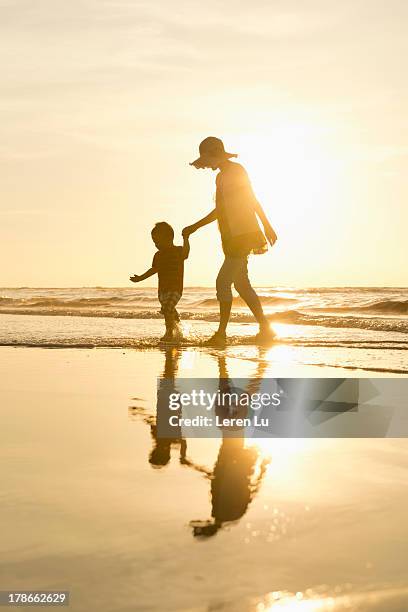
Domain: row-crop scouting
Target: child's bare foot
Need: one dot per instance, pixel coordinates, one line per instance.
(177, 332)
(172, 336)
(168, 337)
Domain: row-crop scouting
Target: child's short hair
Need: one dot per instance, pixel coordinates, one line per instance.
(164, 229)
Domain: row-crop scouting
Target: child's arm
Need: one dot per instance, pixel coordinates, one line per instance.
(269, 231)
(190, 229)
(186, 247)
(137, 278)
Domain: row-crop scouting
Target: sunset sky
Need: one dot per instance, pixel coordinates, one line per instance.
(104, 102)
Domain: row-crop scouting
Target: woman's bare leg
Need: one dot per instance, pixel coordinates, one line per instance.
(246, 291)
(224, 282)
(225, 311)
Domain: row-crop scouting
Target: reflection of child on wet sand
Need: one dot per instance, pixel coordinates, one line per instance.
(161, 451)
(168, 264)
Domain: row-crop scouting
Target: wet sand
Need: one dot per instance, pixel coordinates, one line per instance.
(85, 506)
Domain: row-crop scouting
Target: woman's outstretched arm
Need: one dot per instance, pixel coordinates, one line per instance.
(190, 229)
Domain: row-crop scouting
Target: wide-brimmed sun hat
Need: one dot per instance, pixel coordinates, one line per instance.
(211, 149)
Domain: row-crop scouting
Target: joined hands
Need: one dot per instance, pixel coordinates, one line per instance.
(187, 231)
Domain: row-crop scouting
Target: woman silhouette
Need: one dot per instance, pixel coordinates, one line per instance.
(236, 211)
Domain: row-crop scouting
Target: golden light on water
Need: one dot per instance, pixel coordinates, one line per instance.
(277, 602)
(282, 353)
(283, 446)
(283, 455)
(283, 330)
(312, 601)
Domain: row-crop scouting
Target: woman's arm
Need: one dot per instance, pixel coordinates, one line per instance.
(269, 231)
(190, 229)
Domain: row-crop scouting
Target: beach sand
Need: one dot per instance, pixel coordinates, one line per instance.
(83, 509)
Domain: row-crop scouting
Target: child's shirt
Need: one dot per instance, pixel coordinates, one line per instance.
(235, 204)
(169, 264)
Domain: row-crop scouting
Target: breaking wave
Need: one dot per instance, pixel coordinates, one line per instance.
(293, 317)
(384, 307)
(397, 307)
(266, 300)
(52, 302)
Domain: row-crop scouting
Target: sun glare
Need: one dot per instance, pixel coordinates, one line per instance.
(293, 166)
(283, 453)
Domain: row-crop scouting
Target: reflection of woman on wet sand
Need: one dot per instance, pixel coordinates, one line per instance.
(238, 471)
(235, 480)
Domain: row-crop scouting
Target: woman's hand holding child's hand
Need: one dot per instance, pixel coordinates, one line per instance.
(187, 231)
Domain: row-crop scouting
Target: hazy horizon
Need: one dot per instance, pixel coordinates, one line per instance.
(208, 286)
(104, 103)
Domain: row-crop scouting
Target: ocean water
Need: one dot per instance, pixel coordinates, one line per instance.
(353, 327)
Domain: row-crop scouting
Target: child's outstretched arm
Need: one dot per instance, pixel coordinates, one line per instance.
(190, 229)
(137, 278)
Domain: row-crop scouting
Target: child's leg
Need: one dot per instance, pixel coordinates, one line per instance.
(170, 323)
(171, 317)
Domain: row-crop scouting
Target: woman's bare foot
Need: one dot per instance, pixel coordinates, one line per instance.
(265, 336)
(218, 340)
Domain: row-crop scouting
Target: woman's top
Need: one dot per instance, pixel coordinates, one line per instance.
(235, 204)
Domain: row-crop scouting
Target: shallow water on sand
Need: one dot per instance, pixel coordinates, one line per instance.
(87, 505)
(352, 327)
(296, 345)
